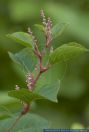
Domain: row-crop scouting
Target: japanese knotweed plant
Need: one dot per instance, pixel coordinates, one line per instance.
(37, 58)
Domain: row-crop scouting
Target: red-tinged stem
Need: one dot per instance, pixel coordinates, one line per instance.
(37, 78)
(25, 110)
(40, 58)
(39, 74)
(14, 124)
(42, 69)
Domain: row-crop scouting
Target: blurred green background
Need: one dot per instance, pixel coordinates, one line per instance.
(17, 15)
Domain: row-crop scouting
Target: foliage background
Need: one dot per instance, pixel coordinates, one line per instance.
(18, 15)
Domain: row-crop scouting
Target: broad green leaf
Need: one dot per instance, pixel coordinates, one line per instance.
(4, 112)
(4, 115)
(25, 95)
(49, 91)
(58, 29)
(40, 27)
(28, 123)
(66, 52)
(25, 58)
(22, 38)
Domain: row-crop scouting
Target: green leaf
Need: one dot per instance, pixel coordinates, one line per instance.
(58, 29)
(4, 112)
(66, 52)
(28, 123)
(22, 38)
(49, 91)
(25, 95)
(4, 115)
(40, 27)
(25, 58)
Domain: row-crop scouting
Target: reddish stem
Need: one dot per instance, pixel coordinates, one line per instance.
(14, 124)
(25, 109)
